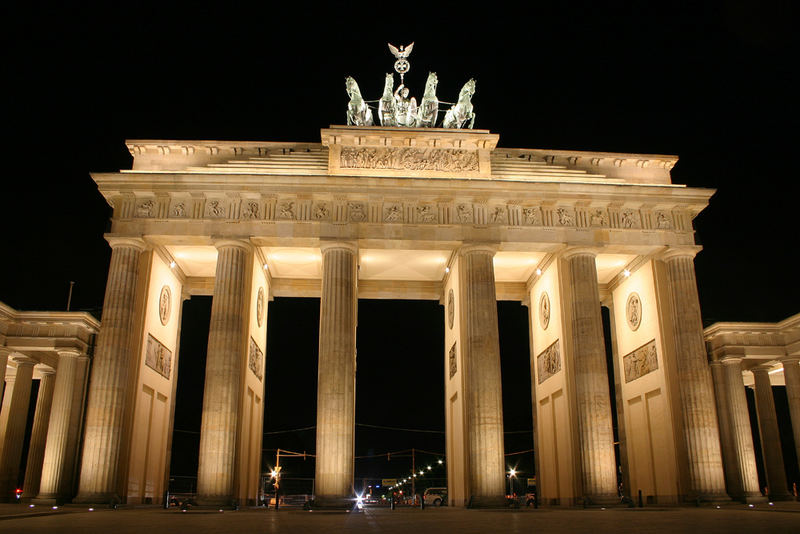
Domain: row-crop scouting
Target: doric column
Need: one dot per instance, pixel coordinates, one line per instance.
(595, 429)
(698, 409)
(736, 436)
(13, 417)
(110, 383)
(4, 352)
(770, 437)
(33, 469)
(221, 397)
(62, 434)
(336, 385)
(480, 352)
(791, 373)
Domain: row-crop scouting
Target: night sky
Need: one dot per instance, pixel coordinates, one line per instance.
(709, 82)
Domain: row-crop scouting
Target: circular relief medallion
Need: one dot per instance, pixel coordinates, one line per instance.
(633, 311)
(164, 304)
(451, 308)
(260, 306)
(544, 311)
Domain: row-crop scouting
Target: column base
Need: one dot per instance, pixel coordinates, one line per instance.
(216, 501)
(333, 503)
(708, 498)
(47, 500)
(604, 501)
(97, 498)
(484, 501)
(783, 496)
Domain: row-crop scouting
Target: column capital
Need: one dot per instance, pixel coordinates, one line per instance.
(762, 368)
(126, 241)
(331, 244)
(46, 371)
(244, 244)
(21, 359)
(791, 359)
(731, 359)
(67, 353)
(570, 252)
(688, 251)
(472, 248)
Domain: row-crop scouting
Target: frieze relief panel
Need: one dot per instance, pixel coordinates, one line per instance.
(345, 209)
(640, 362)
(255, 360)
(158, 357)
(408, 158)
(548, 362)
(452, 361)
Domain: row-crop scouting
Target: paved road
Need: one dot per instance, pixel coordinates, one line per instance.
(784, 517)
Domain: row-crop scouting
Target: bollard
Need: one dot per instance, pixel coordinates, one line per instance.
(641, 503)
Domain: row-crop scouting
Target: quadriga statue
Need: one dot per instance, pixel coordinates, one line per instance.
(358, 112)
(428, 110)
(461, 112)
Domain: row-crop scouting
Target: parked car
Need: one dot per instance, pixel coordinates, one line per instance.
(435, 497)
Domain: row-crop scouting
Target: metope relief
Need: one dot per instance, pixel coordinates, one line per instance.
(357, 211)
(426, 213)
(393, 212)
(145, 209)
(640, 362)
(255, 359)
(411, 159)
(164, 305)
(215, 209)
(498, 215)
(250, 209)
(286, 210)
(598, 218)
(158, 357)
(629, 219)
(320, 211)
(530, 216)
(260, 306)
(548, 362)
(464, 213)
(565, 217)
(633, 311)
(178, 209)
(544, 310)
(452, 361)
(451, 309)
(662, 221)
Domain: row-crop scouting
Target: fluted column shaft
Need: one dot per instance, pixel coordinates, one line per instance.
(698, 409)
(595, 428)
(791, 373)
(33, 469)
(480, 350)
(336, 386)
(770, 436)
(58, 463)
(736, 437)
(4, 352)
(13, 417)
(222, 393)
(110, 383)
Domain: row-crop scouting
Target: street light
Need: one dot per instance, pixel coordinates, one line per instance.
(512, 474)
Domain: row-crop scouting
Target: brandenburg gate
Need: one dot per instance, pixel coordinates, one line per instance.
(405, 210)
(406, 213)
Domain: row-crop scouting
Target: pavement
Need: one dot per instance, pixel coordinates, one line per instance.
(776, 519)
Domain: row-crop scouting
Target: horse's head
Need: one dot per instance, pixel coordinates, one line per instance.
(389, 83)
(351, 87)
(469, 88)
(430, 85)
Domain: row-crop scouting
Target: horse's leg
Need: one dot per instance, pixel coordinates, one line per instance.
(472, 120)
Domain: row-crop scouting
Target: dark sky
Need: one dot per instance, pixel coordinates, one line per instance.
(709, 82)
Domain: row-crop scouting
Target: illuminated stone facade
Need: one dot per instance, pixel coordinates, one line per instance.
(398, 213)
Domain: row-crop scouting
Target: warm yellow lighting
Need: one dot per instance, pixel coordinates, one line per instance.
(512, 472)
(447, 269)
(273, 473)
(626, 273)
(429, 468)
(172, 265)
(266, 267)
(538, 272)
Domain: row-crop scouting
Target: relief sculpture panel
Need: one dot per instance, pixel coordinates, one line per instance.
(256, 360)
(158, 357)
(548, 362)
(414, 159)
(640, 362)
